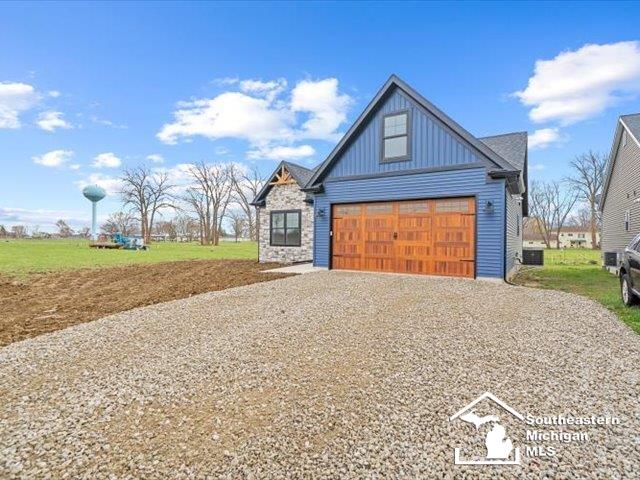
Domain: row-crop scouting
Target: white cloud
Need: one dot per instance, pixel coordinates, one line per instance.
(55, 158)
(155, 158)
(538, 167)
(50, 120)
(16, 98)
(75, 166)
(54, 93)
(230, 114)
(281, 152)
(106, 123)
(545, 137)
(260, 114)
(106, 160)
(225, 81)
(110, 183)
(327, 108)
(44, 218)
(580, 84)
(270, 89)
(221, 150)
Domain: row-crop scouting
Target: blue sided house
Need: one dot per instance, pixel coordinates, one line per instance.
(406, 190)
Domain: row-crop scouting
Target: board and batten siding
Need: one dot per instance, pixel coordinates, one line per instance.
(490, 229)
(623, 194)
(432, 143)
(514, 234)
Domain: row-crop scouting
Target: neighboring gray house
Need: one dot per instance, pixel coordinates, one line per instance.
(620, 200)
(406, 190)
(282, 204)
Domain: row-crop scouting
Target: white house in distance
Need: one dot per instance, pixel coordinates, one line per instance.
(570, 237)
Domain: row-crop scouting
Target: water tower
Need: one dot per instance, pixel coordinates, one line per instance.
(94, 193)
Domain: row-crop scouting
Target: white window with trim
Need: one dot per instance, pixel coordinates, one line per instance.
(395, 137)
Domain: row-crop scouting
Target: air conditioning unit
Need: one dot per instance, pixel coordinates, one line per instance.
(610, 259)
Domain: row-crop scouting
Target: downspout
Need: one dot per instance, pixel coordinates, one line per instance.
(504, 240)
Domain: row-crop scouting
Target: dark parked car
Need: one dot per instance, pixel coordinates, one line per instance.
(630, 273)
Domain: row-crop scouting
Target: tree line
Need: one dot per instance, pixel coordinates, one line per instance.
(209, 196)
(214, 195)
(552, 204)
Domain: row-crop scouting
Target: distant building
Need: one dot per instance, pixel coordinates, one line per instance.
(570, 237)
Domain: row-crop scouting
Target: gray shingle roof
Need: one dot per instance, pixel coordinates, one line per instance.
(510, 146)
(633, 124)
(301, 174)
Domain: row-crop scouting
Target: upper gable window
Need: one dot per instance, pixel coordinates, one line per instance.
(624, 138)
(395, 137)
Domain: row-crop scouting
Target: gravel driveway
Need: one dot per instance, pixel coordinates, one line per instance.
(330, 374)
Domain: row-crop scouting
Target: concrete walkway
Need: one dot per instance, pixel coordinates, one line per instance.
(299, 268)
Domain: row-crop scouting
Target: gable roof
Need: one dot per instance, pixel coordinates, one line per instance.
(510, 146)
(299, 173)
(630, 123)
(513, 147)
(494, 160)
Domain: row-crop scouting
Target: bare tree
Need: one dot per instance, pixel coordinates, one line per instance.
(541, 218)
(588, 179)
(120, 222)
(3, 232)
(19, 231)
(582, 218)
(84, 232)
(208, 198)
(246, 185)
(186, 227)
(146, 193)
(551, 204)
(64, 229)
(239, 223)
(166, 228)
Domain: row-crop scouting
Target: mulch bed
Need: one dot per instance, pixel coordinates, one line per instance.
(48, 302)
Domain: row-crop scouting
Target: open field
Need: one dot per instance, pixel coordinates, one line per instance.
(46, 302)
(579, 271)
(48, 285)
(20, 257)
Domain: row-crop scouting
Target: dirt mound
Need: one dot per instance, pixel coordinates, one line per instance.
(47, 302)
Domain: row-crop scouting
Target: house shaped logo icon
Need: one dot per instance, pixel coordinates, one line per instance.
(499, 447)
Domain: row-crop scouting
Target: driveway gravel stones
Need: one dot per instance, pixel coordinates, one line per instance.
(324, 375)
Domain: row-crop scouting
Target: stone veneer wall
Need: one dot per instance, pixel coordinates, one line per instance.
(286, 197)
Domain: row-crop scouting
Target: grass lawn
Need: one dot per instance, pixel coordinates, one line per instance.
(20, 257)
(579, 271)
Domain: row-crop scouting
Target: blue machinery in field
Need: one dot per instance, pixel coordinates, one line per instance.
(94, 193)
(128, 243)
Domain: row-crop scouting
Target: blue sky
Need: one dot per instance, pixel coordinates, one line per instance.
(87, 87)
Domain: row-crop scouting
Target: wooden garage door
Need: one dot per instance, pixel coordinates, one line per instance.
(434, 237)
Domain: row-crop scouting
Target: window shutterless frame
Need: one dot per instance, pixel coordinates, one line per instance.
(627, 220)
(285, 228)
(402, 158)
